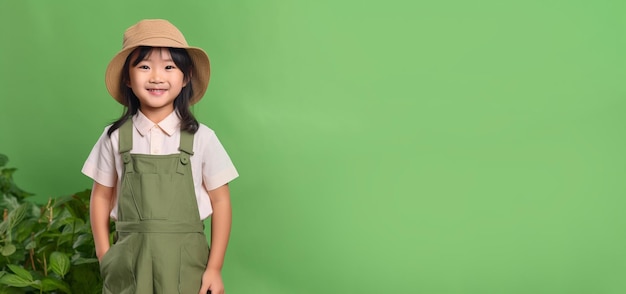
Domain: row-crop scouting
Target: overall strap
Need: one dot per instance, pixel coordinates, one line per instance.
(126, 136)
(126, 142)
(186, 148)
(186, 142)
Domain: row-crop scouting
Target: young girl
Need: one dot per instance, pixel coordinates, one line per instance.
(158, 173)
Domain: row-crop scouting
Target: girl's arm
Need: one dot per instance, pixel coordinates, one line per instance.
(100, 208)
(220, 232)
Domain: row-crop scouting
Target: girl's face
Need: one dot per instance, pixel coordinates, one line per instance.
(156, 81)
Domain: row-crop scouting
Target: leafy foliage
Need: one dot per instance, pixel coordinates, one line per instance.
(45, 248)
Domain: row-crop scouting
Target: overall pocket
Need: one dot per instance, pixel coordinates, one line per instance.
(194, 256)
(153, 194)
(116, 268)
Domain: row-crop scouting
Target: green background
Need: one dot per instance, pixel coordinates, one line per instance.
(384, 146)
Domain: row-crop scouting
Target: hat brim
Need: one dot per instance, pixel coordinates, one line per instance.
(199, 78)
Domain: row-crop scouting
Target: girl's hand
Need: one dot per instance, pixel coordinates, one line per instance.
(212, 280)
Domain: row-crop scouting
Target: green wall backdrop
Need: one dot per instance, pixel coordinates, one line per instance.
(440, 147)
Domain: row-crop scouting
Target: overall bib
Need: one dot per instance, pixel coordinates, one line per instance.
(161, 247)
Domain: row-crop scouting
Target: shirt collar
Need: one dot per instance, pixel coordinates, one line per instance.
(169, 125)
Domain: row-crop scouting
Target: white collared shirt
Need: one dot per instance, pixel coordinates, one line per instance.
(211, 166)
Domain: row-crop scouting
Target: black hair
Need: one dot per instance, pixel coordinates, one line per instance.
(181, 104)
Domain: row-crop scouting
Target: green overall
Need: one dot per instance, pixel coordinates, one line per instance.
(161, 248)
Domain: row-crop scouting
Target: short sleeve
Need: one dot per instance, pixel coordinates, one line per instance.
(217, 167)
(100, 165)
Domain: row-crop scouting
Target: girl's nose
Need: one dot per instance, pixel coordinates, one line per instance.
(155, 77)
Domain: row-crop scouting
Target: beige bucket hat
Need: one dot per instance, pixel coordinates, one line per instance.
(157, 33)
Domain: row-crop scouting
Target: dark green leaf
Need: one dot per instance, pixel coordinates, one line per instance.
(5, 289)
(21, 272)
(73, 225)
(16, 216)
(82, 260)
(83, 196)
(60, 219)
(49, 284)
(8, 173)
(9, 202)
(4, 226)
(45, 247)
(25, 230)
(36, 284)
(82, 239)
(65, 239)
(15, 281)
(60, 201)
(8, 249)
(3, 160)
(31, 245)
(59, 263)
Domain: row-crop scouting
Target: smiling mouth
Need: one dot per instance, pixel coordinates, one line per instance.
(157, 90)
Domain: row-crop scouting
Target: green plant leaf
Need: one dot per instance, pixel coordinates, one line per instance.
(31, 245)
(61, 201)
(54, 231)
(9, 202)
(8, 186)
(6, 289)
(36, 284)
(21, 272)
(17, 215)
(45, 246)
(59, 263)
(15, 281)
(4, 226)
(82, 260)
(49, 284)
(82, 239)
(8, 249)
(25, 230)
(59, 219)
(3, 160)
(73, 225)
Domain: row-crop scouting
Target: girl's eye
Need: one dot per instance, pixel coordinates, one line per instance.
(170, 67)
(143, 67)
